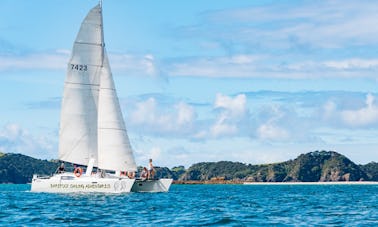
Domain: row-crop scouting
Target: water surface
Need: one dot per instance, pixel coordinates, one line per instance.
(191, 205)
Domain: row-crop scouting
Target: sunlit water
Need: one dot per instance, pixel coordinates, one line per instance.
(191, 205)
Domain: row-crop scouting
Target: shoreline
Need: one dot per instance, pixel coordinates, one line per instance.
(279, 183)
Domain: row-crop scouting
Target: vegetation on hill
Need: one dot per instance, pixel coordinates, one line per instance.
(19, 169)
(371, 170)
(311, 167)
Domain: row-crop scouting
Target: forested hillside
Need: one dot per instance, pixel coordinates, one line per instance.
(311, 167)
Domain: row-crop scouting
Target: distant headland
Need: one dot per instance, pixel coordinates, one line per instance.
(317, 166)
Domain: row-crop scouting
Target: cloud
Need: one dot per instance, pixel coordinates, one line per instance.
(131, 65)
(231, 112)
(353, 63)
(272, 132)
(327, 39)
(354, 111)
(15, 139)
(36, 61)
(172, 119)
(231, 107)
(221, 128)
(233, 66)
(263, 117)
(154, 116)
(273, 67)
(142, 156)
(365, 116)
(135, 65)
(321, 24)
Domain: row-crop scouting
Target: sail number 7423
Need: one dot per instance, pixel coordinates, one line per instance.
(79, 67)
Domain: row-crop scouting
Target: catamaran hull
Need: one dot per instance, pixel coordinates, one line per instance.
(161, 185)
(57, 184)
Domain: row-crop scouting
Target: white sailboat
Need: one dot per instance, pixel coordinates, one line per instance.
(92, 129)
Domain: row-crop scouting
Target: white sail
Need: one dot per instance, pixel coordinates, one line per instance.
(114, 150)
(78, 123)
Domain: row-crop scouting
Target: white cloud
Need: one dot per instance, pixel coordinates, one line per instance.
(354, 63)
(155, 153)
(185, 114)
(365, 116)
(275, 124)
(285, 40)
(134, 65)
(178, 118)
(274, 67)
(329, 109)
(272, 132)
(322, 24)
(232, 113)
(232, 107)
(350, 112)
(15, 139)
(49, 61)
(287, 118)
(220, 128)
(232, 66)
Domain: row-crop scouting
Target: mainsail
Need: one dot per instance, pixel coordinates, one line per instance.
(91, 123)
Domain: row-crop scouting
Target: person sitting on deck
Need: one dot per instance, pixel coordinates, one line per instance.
(144, 173)
(61, 168)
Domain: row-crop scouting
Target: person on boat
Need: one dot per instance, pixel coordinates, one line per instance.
(144, 173)
(151, 170)
(61, 168)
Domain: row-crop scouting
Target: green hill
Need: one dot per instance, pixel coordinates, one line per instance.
(371, 169)
(19, 169)
(311, 167)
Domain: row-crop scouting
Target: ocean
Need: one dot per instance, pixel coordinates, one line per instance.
(196, 205)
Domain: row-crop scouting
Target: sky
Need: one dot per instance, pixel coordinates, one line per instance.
(203, 80)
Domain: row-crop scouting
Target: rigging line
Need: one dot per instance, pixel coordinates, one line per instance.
(102, 36)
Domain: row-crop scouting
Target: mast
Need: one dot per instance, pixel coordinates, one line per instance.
(102, 36)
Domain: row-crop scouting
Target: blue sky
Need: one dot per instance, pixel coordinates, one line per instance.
(249, 81)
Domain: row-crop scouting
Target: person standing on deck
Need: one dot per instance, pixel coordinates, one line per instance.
(151, 170)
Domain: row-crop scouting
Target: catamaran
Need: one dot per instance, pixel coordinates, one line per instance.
(92, 130)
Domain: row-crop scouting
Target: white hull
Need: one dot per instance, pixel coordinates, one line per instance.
(69, 183)
(161, 185)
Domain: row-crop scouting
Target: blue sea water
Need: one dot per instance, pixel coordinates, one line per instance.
(196, 205)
